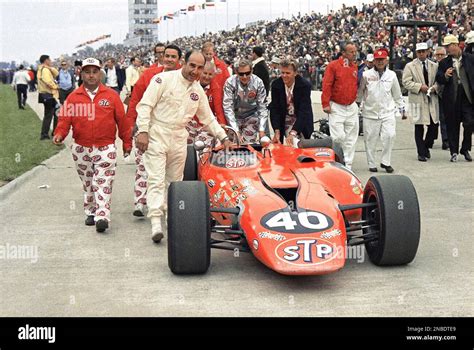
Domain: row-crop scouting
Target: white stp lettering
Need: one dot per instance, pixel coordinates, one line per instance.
(308, 245)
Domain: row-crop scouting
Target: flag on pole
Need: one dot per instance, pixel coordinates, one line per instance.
(192, 8)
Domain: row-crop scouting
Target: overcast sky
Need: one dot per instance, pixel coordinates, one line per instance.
(30, 28)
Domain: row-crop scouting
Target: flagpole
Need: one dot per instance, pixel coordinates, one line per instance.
(270, 10)
(205, 19)
(238, 15)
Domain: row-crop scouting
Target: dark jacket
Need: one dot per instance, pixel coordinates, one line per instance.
(261, 71)
(448, 102)
(120, 75)
(303, 110)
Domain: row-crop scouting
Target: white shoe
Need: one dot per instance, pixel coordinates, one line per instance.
(139, 210)
(156, 230)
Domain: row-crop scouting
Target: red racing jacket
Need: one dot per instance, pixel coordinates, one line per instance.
(339, 83)
(94, 123)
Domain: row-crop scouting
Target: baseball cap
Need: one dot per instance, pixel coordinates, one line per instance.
(91, 62)
(276, 60)
(421, 46)
(370, 57)
(470, 37)
(450, 39)
(381, 53)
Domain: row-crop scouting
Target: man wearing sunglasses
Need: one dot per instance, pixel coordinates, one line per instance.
(244, 103)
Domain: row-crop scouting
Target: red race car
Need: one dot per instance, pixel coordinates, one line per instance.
(296, 209)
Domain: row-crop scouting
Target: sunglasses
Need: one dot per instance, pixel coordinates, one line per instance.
(243, 74)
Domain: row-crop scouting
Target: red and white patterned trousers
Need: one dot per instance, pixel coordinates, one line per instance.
(141, 177)
(96, 169)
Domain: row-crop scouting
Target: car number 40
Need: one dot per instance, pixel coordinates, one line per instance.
(308, 219)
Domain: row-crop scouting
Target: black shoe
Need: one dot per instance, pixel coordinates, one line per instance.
(428, 154)
(90, 220)
(101, 225)
(373, 170)
(454, 157)
(44, 138)
(22, 107)
(422, 159)
(387, 168)
(445, 145)
(466, 155)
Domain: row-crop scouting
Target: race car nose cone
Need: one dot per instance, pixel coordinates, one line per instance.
(265, 141)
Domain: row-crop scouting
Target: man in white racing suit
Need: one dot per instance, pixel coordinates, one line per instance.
(171, 100)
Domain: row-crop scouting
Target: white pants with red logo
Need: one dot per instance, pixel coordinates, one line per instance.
(379, 129)
(96, 169)
(141, 177)
(344, 128)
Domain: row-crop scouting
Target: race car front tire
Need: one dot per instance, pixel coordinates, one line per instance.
(190, 167)
(189, 228)
(395, 220)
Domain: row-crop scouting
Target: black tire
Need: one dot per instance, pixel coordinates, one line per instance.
(327, 142)
(397, 219)
(190, 167)
(189, 228)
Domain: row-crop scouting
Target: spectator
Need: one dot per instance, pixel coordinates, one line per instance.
(338, 100)
(32, 83)
(260, 68)
(419, 79)
(48, 94)
(93, 150)
(440, 54)
(20, 82)
(244, 103)
(115, 76)
(380, 94)
(132, 74)
(159, 52)
(169, 103)
(214, 95)
(291, 113)
(172, 56)
(456, 74)
(66, 81)
(221, 68)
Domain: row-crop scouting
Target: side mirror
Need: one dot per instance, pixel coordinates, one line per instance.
(199, 145)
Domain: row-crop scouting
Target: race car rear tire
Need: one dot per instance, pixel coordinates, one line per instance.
(190, 167)
(189, 228)
(396, 218)
(327, 142)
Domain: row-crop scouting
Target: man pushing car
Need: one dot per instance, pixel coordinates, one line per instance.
(169, 103)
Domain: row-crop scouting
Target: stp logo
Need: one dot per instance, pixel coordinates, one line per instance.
(104, 103)
(306, 251)
(235, 162)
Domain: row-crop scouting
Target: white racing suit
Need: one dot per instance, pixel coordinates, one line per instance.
(245, 106)
(169, 103)
(380, 97)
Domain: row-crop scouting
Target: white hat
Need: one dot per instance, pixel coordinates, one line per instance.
(91, 62)
(470, 37)
(421, 46)
(370, 57)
